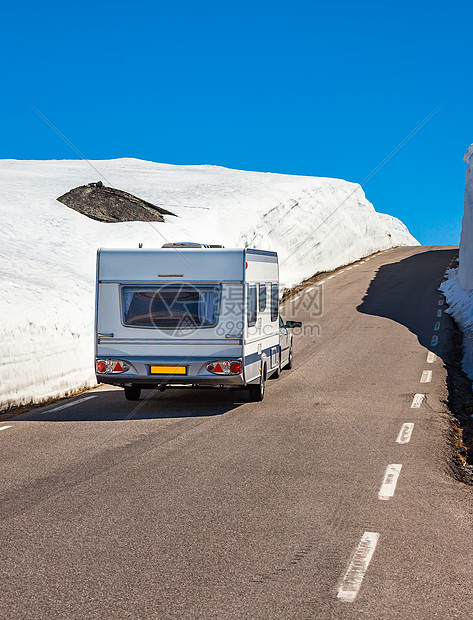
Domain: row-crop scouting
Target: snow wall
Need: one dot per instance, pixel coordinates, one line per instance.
(48, 251)
(458, 287)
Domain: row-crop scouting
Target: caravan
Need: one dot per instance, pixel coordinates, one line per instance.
(187, 314)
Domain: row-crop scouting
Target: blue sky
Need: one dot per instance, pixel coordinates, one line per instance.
(311, 88)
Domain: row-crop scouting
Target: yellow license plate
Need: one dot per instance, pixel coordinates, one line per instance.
(168, 370)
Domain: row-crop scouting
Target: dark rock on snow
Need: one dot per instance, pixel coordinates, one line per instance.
(107, 204)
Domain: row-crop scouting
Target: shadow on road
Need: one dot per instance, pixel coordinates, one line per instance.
(407, 292)
(109, 404)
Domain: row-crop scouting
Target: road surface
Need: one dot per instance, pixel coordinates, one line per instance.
(330, 499)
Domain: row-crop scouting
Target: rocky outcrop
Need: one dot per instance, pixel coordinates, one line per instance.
(107, 204)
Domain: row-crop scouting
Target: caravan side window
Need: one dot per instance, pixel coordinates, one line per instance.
(252, 307)
(274, 302)
(262, 297)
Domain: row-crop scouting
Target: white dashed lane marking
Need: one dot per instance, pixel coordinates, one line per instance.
(437, 326)
(76, 402)
(4, 428)
(440, 302)
(357, 567)
(431, 357)
(388, 485)
(426, 376)
(417, 401)
(405, 432)
(439, 313)
(434, 342)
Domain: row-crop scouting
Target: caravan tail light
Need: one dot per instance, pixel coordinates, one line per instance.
(111, 367)
(224, 367)
(235, 368)
(101, 366)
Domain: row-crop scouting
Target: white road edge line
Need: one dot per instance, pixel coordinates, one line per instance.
(426, 376)
(431, 357)
(388, 486)
(437, 326)
(4, 428)
(434, 342)
(405, 433)
(417, 401)
(357, 567)
(76, 402)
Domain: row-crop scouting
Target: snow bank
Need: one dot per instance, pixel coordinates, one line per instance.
(460, 306)
(47, 251)
(465, 263)
(458, 288)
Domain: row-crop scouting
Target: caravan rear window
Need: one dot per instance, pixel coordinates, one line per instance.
(177, 306)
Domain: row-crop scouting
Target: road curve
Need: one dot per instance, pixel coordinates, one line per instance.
(330, 499)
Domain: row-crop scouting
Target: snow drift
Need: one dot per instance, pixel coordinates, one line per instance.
(458, 288)
(48, 250)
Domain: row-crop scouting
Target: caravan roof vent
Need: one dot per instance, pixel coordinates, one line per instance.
(189, 244)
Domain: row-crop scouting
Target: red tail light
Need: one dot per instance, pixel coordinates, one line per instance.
(110, 367)
(235, 368)
(224, 367)
(101, 366)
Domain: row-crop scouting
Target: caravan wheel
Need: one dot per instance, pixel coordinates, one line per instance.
(257, 390)
(132, 393)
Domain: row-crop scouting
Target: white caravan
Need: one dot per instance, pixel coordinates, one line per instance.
(187, 314)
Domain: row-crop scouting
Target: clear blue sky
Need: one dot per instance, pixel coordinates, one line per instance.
(312, 88)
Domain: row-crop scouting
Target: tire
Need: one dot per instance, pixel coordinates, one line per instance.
(288, 366)
(133, 393)
(257, 389)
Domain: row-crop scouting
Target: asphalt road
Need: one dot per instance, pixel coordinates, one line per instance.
(203, 505)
